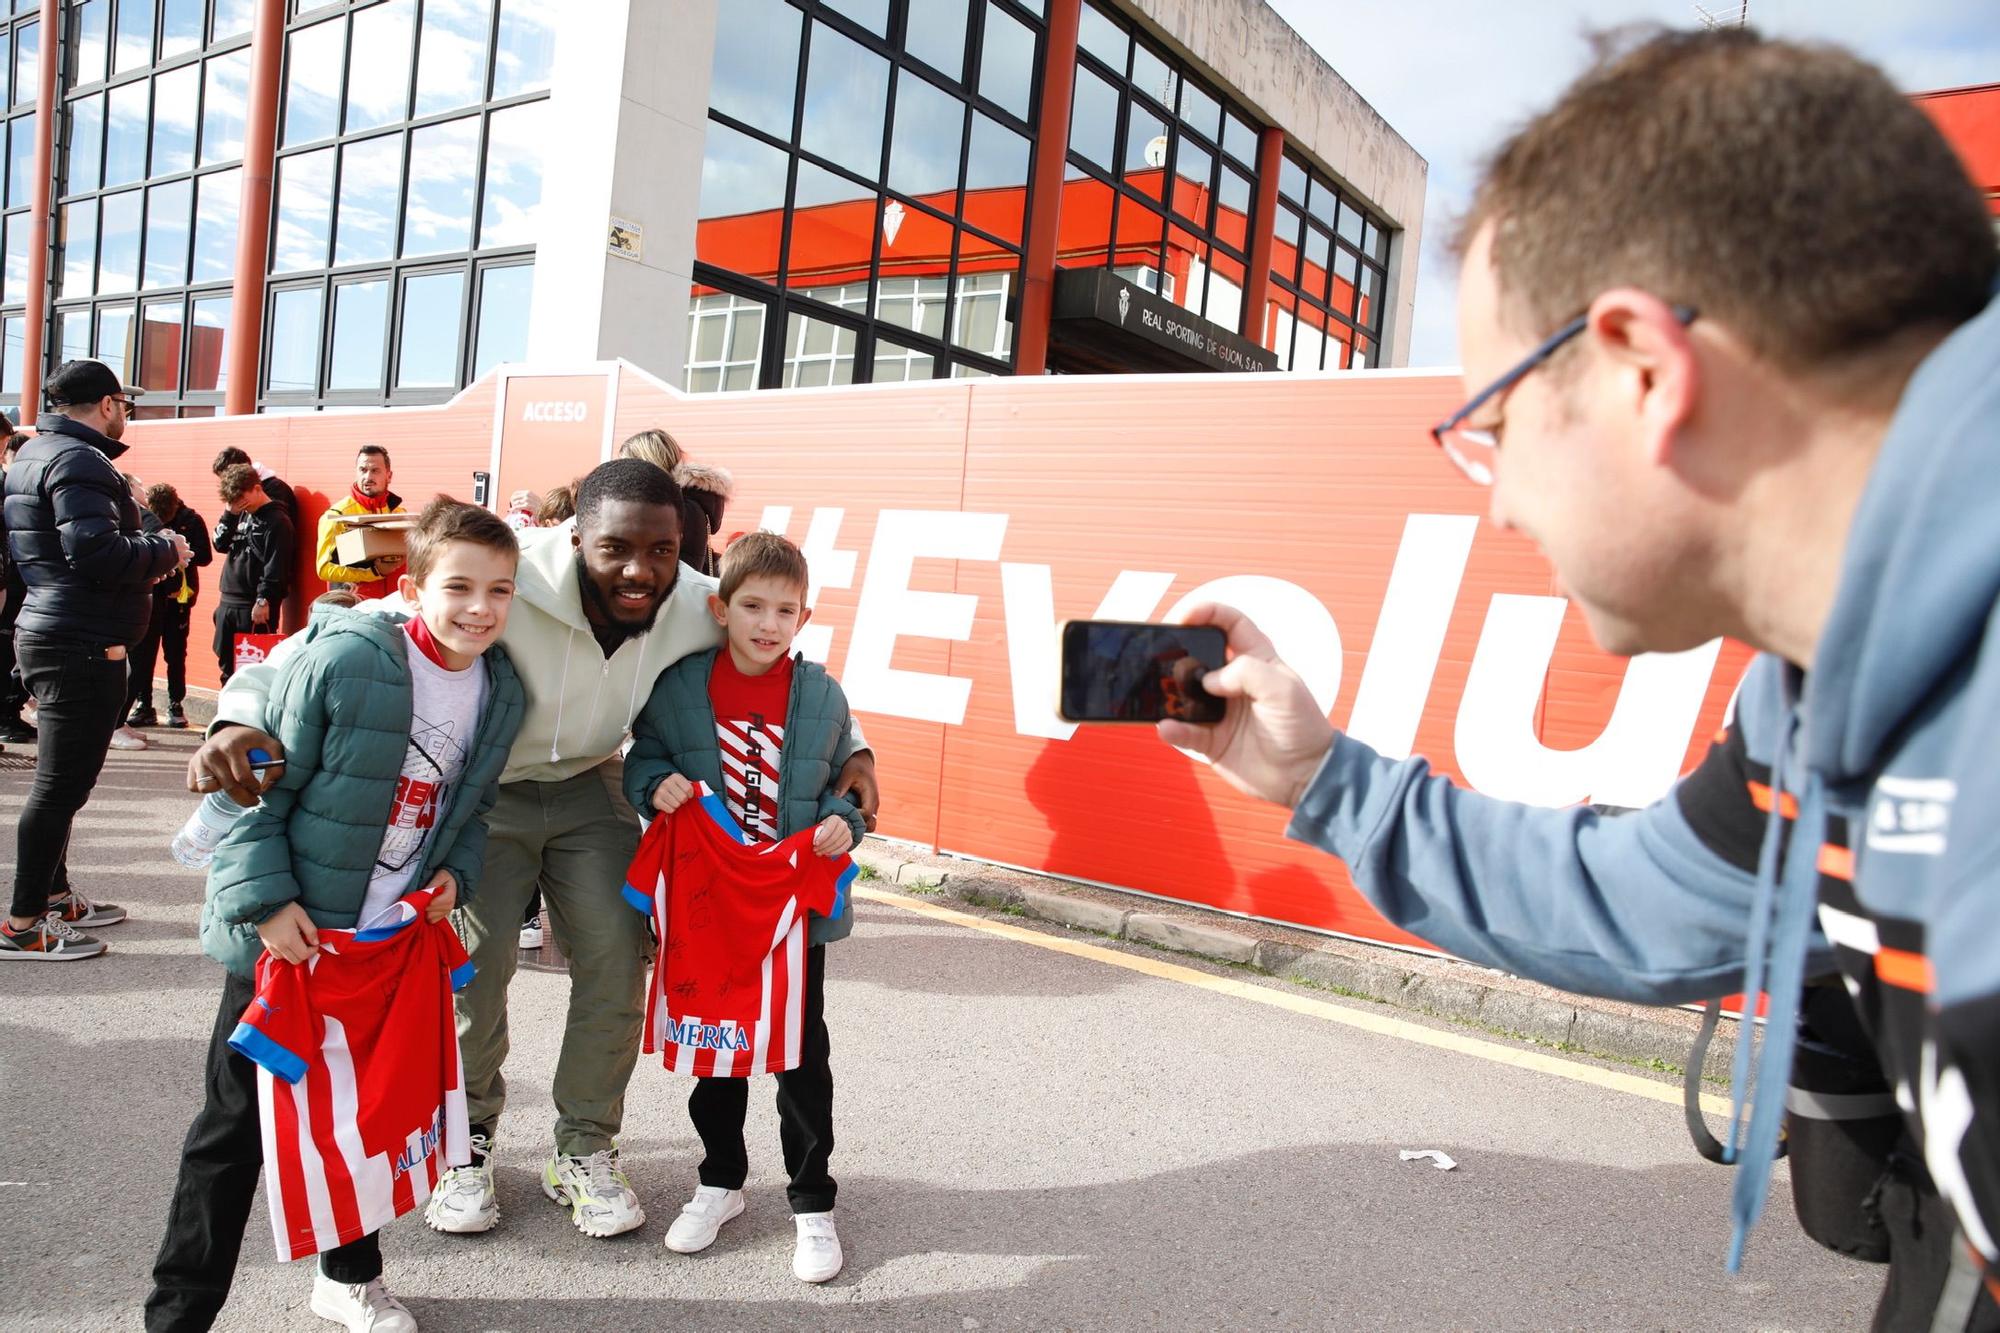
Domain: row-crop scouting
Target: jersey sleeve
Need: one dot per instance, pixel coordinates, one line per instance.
(276, 1030)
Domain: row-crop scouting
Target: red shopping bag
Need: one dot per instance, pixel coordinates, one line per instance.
(252, 648)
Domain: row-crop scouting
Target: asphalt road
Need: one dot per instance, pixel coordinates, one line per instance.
(1029, 1138)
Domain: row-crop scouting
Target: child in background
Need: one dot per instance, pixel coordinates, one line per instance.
(294, 867)
(760, 727)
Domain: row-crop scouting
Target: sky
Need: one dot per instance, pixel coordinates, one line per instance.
(1453, 77)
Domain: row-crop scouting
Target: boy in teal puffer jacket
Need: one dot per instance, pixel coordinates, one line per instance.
(762, 728)
(395, 731)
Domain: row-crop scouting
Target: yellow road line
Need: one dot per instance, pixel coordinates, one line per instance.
(1367, 1020)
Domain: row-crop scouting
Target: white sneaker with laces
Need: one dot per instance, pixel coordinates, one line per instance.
(531, 934)
(701, 1221)
(599, 1198)
(127, 739)
(361, 1308)
(464, 1202)
(818, 1257)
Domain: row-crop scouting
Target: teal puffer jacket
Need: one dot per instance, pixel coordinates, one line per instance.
(675, 733)
(341, 708)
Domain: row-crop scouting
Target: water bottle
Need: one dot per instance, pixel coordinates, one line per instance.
(194, 846)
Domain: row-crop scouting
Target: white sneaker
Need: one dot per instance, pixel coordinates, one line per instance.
(599, 1198)
(531, 934)
(699, 1223)
(364, 1308)
(464, 1202)
(127, 739)
(818, 1257)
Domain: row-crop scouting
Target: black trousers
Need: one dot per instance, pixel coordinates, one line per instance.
(13, 695)
(805, 1112)
(169, 634)
(221, 1161)
(81, 697)
(231, 619)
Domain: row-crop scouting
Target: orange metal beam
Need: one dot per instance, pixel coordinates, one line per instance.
(37, 315)
(1031, 338)
(253, 237)
(1263, 216)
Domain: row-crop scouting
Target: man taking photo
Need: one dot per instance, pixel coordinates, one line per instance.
(1726, 315)
(73, 531)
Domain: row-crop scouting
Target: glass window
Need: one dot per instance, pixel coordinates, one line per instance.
(312, 81)
(504, 298)
(1086, 223)
(118, 241)
(833, 230)
(817, 353)
(378, 74)
(936, 35)
(1322, 202)
(79, 248)
(451, 55)
(1200, 112)
(114, 340)
(513, 175)
(726, 332)
(1317, 257)
(219, 199)
(176, 95)
(913, 243)
(1238, 139)
(180, 27)
(1145, 158)
(160, 346)
(125, 134)
(870, 14)
(93, 41)
(742, 193)
(371, 176)
(1007, 61)
(897, 364)
(1194, 169)
(27, 62)
(168, 211)
(292, 362)
(1153, 76)
(1093, 120)
(924, 152)
(1292, 181)
(756, 76)
(847, 91)
(15, 335)
(14, 289)
(233, 18)
(979, 312)
(86, 144)
(223, 107)
(996, 178)
(1104, 39)
(526, 48)
(72, 334)
(21, 159)
(305, 211)
(1232, 209)
(1225, 291)
(135, 38)
(1350, 224)
(360, 325)
(428, 355)
(437, 217)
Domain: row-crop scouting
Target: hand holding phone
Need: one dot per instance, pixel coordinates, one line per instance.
(1130, 671)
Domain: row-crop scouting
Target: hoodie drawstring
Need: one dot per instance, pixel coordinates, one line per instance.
(1780, 929)
(561, 690)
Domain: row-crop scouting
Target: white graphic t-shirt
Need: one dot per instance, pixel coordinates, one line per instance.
(445, 708)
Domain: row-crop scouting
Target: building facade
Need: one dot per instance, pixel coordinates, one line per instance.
(285, 206)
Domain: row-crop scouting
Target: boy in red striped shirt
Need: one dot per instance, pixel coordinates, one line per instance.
(762, 727)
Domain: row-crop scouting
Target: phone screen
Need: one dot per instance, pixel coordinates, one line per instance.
(1128, 671)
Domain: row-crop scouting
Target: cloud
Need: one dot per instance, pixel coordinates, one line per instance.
(1453, 77)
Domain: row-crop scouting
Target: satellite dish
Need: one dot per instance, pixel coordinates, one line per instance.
(1156, 152)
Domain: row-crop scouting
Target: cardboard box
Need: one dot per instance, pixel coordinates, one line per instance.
(363, 537)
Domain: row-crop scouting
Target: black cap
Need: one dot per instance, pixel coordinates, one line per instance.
(77, 383)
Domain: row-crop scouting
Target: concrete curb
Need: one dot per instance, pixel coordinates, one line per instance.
(1443, 988)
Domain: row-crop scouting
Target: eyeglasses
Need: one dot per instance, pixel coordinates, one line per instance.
(1476, 450)
(129, 403)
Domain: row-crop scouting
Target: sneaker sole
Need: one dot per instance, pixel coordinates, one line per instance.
(595, 1231)
(99, 919)
(491, 1221)
(817, 1278)
(66, 956)
(713, 1233)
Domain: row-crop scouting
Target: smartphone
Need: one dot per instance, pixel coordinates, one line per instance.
(1130, 671)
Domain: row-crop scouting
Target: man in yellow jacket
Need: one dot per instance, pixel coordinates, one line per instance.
(370, 494)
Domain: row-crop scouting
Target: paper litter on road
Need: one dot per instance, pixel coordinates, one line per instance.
(1440, 1160)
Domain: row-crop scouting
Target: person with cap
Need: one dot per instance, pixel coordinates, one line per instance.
(73, 529)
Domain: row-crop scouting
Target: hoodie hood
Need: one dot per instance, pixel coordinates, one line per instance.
(1922, 567)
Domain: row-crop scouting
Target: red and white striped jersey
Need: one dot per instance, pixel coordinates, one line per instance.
(360, 1093)
(750, 716)
(727, 996)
